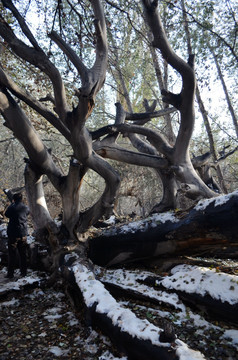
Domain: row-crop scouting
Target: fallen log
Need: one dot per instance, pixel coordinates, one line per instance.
(137, 338)
(210, 227)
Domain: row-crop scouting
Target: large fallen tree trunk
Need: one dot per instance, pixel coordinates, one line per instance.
(210, 226)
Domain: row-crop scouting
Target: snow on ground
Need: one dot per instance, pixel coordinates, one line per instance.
(12, 302)
(192, 279)
(200, 280)
(18, 282)
(53, 313)
(57, 351)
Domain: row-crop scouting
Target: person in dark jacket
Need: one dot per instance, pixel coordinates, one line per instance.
(17, 213)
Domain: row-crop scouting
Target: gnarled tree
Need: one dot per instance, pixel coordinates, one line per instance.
(171, 162)
(89, 150)
(69, 122)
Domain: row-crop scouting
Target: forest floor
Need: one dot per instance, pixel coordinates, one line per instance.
(39, 323)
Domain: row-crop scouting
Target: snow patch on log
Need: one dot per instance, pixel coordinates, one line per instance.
(94, 292)
(203, 281)
(220, 200)
(142, 225)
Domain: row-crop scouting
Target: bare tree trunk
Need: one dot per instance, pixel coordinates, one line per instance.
(228, 100)
(71, 195)
(169, 194)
